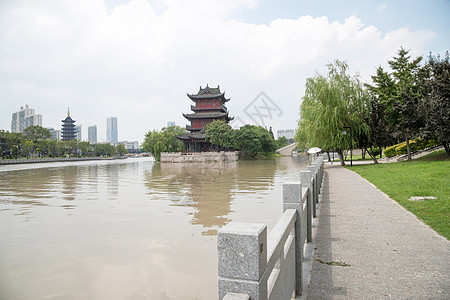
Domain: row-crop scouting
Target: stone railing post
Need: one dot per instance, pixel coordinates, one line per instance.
(242, 260)
(320, 165)
(305, 179)
(313, 169)
(292, 199)
(318, 183)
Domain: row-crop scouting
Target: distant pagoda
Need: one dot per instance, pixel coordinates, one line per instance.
(68, 130)
(209, 106)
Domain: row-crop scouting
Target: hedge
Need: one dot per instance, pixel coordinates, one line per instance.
(416, 145)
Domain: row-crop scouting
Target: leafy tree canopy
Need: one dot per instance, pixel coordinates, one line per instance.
(220, 133)
(332, 102)
(398, 96)
(36, 133)
(253, 140)
(436, 105)
(163, 141)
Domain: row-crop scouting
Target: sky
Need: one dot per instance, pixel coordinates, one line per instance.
(136, 60)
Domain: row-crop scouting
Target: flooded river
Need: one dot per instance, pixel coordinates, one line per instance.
(127, 229)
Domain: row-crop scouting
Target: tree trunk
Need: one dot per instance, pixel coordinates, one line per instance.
(408, 147)
(446, 147)
(341, 156)
(363, 153)
(328, 153)
(372, 155)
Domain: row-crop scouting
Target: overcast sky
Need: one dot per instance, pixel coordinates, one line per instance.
(136, 60)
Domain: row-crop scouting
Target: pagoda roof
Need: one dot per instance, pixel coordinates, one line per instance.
(220, 108)
(208, 93)
(211, 115)
(68, 120)
(192, 136)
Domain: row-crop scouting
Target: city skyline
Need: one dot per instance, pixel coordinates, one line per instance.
(129, 58)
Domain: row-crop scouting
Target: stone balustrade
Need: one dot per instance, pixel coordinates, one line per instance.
(255, 265)
(181, 157)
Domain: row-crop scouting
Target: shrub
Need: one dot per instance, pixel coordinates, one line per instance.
(375, 151)
(400, 148)
(416, 145)
(431, 143)
(390, 151)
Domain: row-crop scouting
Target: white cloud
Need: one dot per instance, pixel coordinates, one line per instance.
(136, 64)
(381, 7)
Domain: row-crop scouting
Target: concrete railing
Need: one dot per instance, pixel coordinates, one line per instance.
(254, 265)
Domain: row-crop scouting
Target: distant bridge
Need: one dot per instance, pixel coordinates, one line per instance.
(287, 150)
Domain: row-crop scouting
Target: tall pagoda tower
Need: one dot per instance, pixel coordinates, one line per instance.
(209, 106)
(68, 130)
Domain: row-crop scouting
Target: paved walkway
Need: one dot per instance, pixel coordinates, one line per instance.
(392, 255)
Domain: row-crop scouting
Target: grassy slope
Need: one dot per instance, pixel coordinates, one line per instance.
(427, 176)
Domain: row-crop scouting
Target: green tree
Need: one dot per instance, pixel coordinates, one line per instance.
(26, 147)
(60, 148)
(36, 133)
(52, 147)
(42, 147)
(10, 144)
(253, 140)
(331, 103)
(98, 150)
(109, 150)
(85, 148)
(437, 100)
(381, 134)
(71, 147)
(164, 140)
(220, 133)
(155, 143)
(171, 142)
(281, 142)
(121, 150)
(400, 94)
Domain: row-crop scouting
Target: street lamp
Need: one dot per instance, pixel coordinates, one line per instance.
(344, 132)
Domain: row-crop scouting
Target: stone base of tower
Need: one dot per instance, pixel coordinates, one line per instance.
(185, 157)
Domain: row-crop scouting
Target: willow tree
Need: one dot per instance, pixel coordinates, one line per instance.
(332, 103)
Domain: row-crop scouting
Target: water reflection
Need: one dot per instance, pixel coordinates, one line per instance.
(127, 229)
(206, 187)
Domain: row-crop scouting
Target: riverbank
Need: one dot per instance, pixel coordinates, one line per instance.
(59, 159)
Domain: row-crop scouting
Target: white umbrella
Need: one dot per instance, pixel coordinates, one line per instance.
(314, 150)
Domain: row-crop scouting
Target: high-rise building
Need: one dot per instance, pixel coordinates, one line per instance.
(68, 129)
(289, 134)
(92, 134)
(56, 134)
(78, 132)
(23, 118)
(131, 146)
(111, 130)
(170, 123)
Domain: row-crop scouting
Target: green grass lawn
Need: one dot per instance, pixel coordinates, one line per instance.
(427, 176)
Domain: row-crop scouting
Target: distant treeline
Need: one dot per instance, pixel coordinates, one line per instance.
(35, 141)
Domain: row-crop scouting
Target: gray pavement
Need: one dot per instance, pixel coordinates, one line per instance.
(392, 255)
